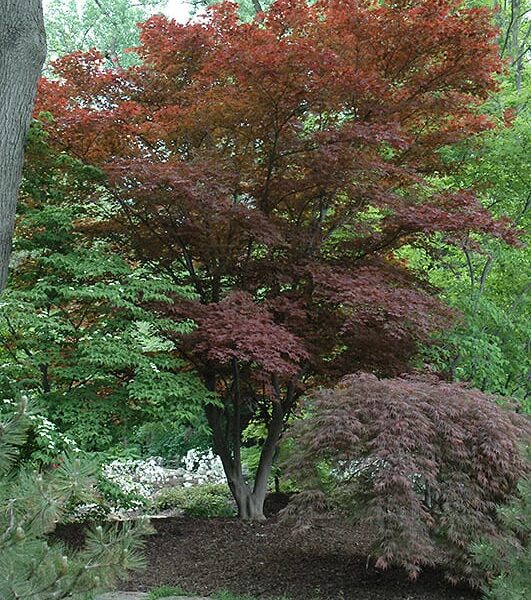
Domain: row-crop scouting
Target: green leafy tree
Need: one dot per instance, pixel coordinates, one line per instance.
(248, 9)
(76, 331)
(109, 25)
(31, 504)
(488, 282)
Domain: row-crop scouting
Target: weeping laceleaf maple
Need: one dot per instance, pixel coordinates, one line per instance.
(276, 167)
(423, 462)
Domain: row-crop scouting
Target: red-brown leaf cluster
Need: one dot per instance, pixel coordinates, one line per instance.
(423, 462)
(238, 329)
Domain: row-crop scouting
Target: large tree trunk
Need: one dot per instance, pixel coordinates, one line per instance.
(22, 54)
(250, 503)
(249, 496)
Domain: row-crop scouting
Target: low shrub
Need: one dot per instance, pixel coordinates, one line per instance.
(209, 500)
(423, 462)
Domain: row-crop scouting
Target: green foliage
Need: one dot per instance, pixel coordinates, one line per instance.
(31, 503)
(108, 25)
(509, 557)
(247, 8)
(77, 331)
(209, 500)
(253, 438)
(485, 280)
(251, 458)
(171, 440)
(164, 591)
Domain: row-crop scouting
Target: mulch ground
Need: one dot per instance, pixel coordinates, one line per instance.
(264, 560)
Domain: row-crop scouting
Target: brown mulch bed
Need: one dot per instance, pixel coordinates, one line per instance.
(264, 560)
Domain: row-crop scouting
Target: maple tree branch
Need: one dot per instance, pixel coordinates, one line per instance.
(274, 431)
(483, 280)
(213, 415)
(508, 31)
(113, 56)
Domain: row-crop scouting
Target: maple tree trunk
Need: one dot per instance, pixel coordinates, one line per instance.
(250, 504)
(250, 500)
(22, 54)
(257, 7)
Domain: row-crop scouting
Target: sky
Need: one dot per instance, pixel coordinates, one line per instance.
(178, 9)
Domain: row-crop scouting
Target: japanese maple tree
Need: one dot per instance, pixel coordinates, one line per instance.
(423, 462)
(275, 167)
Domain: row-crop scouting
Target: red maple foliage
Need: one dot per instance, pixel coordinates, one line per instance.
(276, 167)
(422, 462)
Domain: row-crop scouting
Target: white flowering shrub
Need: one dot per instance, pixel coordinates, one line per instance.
(200, 467)
(206, 500)
(133, 485)
(142, 478)
(147, 477)
(49, 441)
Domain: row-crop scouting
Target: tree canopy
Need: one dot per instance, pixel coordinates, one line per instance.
(276, 167)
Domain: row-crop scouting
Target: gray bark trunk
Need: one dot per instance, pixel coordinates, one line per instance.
(22, 54)
(250, 503)
(250, 500)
